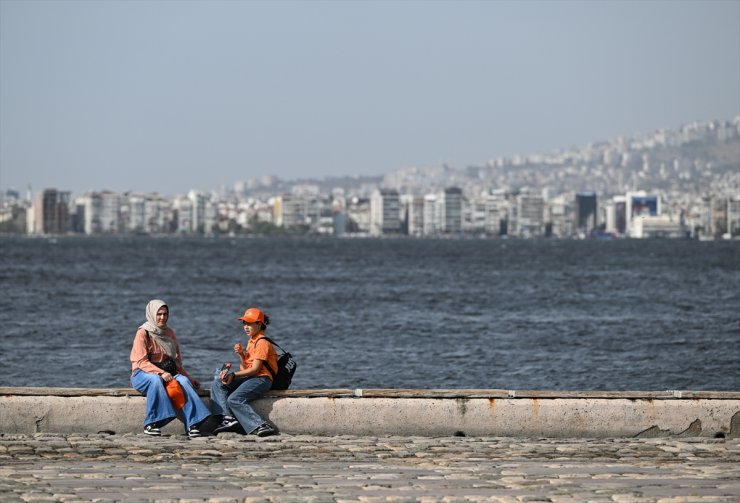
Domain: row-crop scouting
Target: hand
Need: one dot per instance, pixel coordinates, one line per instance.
(238, 348)
(166, 376)
(227, 378)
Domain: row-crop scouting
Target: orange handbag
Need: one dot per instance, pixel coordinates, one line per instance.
(176, 394)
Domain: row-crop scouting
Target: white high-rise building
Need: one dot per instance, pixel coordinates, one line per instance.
(110, 212)
(184, 208)
(137, 213)
(198, 202)
(384, 212)
(432, 224)
(531, 214)
(101, 212)
(496, 212)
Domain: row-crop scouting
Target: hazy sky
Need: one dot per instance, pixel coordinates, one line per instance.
(172, 95)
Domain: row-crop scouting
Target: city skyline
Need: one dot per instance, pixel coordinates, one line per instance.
(171, 96)
(680, 184)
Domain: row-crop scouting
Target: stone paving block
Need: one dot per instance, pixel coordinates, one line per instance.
(333, 468)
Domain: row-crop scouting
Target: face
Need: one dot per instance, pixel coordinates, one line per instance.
(252, 329)
(162, 314)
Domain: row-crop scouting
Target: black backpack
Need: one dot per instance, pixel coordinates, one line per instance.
(286, 368)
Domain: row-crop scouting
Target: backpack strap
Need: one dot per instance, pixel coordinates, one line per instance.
(272, 342)
(267, 365)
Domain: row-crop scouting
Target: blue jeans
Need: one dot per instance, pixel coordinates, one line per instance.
(233, 399)
(159, 409)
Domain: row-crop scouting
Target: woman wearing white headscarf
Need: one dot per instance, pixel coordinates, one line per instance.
(156, 360)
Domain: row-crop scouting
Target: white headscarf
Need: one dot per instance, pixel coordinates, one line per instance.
(159, 335)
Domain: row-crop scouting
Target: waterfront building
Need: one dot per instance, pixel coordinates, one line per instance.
(431, 224)
(451, 202)
(531, 215)
(358, 215)
(326, 225)
(340, 223)
(560, 216)
(133, 213)
(474, 215)
(287, 210)
(497, 209)
(412, 214)
(299, 208)
(263, 212)
(198, 202)
(183, 207)
(733, 215)
(385, 212)
(586, 213)
(14, 217)
(718, 215)
(616, 215)
(657, 226)
(721, 216)
(160, 215)
(50, 212)
(110, 212)
(640, 204)
(317, 211)
(88, 208)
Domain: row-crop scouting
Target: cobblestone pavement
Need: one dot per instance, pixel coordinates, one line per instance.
(284, 468)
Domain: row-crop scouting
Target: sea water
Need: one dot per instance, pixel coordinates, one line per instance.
(382, 313)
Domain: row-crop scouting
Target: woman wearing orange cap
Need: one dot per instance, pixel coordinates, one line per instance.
(232, 392)
(156, 368)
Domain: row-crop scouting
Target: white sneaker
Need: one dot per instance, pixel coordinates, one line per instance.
(152, 430)
(228, 423)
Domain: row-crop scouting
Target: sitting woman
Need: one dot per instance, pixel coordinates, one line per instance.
(155, 362)
(232, 392)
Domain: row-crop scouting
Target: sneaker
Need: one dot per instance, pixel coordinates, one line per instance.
(194, 432)
(264, 430)
(227, 424)
(152, 430)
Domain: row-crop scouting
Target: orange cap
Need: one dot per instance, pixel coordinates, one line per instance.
(253, 314)
(176, 394)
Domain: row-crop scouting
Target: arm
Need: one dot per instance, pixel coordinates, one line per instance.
(140, 354)
(242, 354)
(250, 371)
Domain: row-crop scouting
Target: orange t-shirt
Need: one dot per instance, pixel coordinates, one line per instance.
(264, 351)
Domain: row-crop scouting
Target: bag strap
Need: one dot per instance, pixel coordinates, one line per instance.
(267, 364)
(271, 342)
(167, 357)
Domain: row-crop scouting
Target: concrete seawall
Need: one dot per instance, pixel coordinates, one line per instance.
(541, 414)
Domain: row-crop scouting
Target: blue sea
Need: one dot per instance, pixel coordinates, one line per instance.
(383, 313)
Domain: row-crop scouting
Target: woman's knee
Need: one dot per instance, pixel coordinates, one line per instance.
(183, 381)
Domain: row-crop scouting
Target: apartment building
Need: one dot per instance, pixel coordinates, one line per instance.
(385, 212)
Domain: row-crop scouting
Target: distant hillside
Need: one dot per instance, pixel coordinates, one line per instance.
(696, 167)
